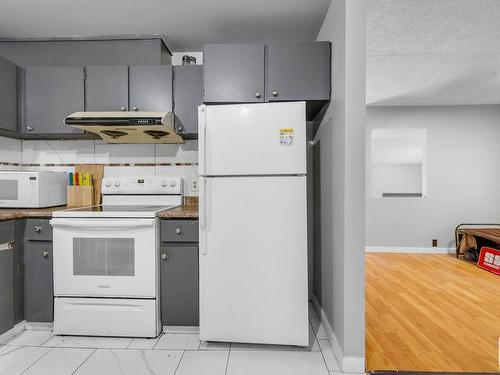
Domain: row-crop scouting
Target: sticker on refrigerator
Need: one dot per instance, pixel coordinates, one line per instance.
(286, 136)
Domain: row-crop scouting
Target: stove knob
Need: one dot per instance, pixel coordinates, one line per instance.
(164, 183)
(117, 183)
(172, 183)
(108, 183)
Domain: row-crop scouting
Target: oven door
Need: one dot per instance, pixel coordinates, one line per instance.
(105, 257)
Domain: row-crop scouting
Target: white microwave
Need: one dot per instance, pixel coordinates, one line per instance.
(30, 189)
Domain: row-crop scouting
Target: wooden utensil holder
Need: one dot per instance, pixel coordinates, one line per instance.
(79, 196)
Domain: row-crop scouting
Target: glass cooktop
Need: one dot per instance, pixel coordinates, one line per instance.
(113, 211)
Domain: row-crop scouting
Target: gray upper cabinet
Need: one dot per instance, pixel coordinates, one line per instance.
(8, 95)
(52, 93)
(150, 88)
(38, 282)
(188, 95)
(233, 73)
(106, 88)
(298, 71)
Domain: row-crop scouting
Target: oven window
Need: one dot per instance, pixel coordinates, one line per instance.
(103, 256)
(8, 190)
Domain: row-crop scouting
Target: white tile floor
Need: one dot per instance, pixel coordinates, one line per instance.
(40, 353)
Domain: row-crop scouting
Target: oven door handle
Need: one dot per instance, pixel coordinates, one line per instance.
(103, 224)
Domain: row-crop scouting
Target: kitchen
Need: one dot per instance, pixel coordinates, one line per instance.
(191, 243)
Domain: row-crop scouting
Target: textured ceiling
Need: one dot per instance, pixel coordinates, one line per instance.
(188, 24)
(433, 52)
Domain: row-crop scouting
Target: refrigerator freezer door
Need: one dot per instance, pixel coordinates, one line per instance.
(253, 260)
(252, 139)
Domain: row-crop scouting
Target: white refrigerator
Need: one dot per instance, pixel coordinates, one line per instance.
(253, 223)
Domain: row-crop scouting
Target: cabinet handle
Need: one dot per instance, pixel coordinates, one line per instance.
(45, 254)
(178, 231)
(29, 128)
(275, 93)
(134, 108)
(258, 95)
(38, 229)
(123, 109)
(164, 257)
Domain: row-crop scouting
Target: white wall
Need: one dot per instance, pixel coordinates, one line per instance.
(463, 152)
(177, 57)
(118, 159)
(340, 238)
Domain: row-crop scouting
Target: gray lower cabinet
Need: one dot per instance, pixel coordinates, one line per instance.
(233, 73)
(298, 71)
(188, 95)
(179, 285)
(19, 271)
(8, 95)
(106, 88)
(7, 306)
(38, 282)
(50, 94)
(150, 88)
(6, 289)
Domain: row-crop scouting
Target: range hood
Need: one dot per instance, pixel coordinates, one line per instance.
(127, 127)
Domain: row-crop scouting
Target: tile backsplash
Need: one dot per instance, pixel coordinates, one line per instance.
(118, 159)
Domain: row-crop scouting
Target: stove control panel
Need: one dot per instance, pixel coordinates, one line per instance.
(158, 185)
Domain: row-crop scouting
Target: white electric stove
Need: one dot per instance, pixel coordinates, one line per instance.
(106, 259)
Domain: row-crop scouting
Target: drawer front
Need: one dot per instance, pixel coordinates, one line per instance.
(38, 230)
(179, 230)
(6, 231)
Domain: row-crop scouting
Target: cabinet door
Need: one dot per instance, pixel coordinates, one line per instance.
(106, 88)
(51, 94)
(151, 88)
(188, 95)
(179, 285)
(298, 71)
(19, 271)
(233, 73)
(8, 95)
(38, 283)
(6, 289)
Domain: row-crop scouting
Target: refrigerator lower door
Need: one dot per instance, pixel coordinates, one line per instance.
(253, 260)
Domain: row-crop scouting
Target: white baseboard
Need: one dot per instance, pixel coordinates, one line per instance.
(410, 250)
(181, 329)
(18, 328)
(39, 326)
(348, 364)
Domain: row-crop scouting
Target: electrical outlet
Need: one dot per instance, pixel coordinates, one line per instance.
(194, 185)
(434, 243)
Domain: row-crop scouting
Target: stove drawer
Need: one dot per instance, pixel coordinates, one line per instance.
(106, 317)
(179, 230)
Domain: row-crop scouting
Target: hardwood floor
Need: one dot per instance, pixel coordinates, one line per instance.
(431, 312)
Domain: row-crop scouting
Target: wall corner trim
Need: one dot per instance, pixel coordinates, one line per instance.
(348, 364)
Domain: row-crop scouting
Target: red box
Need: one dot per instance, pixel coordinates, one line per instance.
(489, 260)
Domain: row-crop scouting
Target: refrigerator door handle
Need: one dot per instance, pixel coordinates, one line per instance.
(203, 215)
(203, 138)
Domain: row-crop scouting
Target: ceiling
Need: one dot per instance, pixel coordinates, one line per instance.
(188, 24)
(433, 52)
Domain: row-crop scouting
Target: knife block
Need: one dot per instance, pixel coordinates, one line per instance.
(79, 196)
